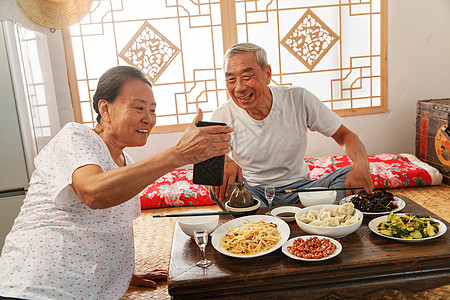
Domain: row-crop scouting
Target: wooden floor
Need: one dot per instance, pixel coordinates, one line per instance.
(153, 238)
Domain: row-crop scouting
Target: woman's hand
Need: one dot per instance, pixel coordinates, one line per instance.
(201, 143)
(146, 279)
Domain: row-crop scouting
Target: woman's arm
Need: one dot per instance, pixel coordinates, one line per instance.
(98, 189)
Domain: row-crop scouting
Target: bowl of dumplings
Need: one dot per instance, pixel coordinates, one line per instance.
(334, 221)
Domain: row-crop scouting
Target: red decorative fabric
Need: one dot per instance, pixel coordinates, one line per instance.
(175, 189)
(387, 170)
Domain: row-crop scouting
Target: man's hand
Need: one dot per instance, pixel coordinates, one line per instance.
(359, 176)
(232, 173)
(146, 279)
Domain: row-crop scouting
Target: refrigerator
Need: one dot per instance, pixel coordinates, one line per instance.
(28, 113)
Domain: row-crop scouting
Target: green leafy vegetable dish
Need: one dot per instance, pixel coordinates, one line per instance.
(409, 226)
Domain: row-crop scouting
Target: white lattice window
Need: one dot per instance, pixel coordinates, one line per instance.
(335, 48)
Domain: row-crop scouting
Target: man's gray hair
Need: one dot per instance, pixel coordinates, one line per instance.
(260, 53)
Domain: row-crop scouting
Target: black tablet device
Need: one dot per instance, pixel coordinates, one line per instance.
(210, 171)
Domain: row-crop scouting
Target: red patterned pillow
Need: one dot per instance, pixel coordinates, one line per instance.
(175, 189)
(387, 170)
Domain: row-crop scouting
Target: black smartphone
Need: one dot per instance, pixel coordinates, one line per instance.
(210, 171)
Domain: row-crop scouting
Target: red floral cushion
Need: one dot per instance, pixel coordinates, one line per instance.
(175, 189)
(387, 170)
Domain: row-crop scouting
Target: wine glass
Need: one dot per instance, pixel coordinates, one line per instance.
(201, 238)
(270, 194)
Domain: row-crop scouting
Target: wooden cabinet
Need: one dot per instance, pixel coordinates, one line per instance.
(432, 146)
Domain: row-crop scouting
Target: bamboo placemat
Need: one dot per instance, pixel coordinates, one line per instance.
(153, 241)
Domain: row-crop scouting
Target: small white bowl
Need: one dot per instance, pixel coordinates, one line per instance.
(192, 223)
(317, 198)
(285, 212)
(334, 232)
(244, 211)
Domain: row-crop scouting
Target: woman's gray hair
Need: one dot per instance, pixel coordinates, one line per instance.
(260, 53)
(111, 82)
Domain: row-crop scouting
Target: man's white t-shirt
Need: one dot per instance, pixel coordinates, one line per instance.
(271, 151)
(59, 248)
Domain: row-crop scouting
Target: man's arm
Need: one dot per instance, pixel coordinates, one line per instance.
(359, 176)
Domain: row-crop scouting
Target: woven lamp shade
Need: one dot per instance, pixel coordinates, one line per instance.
(55, 14)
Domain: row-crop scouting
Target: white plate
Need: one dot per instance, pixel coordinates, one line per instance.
(400, 203)
(304, 237)
(374, 223)
(285, 209)
(217, 235)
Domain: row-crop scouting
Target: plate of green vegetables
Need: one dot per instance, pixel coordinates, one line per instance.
(407, 227)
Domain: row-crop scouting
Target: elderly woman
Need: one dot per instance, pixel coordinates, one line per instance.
(73, 237)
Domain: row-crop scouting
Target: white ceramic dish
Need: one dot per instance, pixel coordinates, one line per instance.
(189, 224)
(244, 211)
(285, 209)
(304, 237)
(400, 203)
(316, 198)
(217, 235)
(334, 232)
(374, 223)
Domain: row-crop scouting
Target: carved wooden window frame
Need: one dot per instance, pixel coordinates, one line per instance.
(238, 18)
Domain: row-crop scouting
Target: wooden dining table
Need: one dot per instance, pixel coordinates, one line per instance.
(368, 263)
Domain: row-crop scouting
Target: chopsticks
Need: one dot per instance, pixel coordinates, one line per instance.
(194, 214)
(321, 189)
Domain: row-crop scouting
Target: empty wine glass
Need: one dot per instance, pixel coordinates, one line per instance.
(201, 238)
(270, 194)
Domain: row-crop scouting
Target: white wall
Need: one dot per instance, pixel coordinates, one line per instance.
(418, 68)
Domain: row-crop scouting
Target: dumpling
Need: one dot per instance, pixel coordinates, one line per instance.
(317, 223)
(341, 218)
(332, 210)
(331, 222)
(305, 219)
(312, 213)
(324, 214)
(351, 220)
(347, 209)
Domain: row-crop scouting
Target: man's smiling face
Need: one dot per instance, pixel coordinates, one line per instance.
(247, 82)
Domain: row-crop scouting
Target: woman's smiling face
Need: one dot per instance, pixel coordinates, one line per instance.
(132, 115)
(247, 81)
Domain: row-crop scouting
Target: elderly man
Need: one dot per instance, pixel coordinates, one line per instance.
(269, 141)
